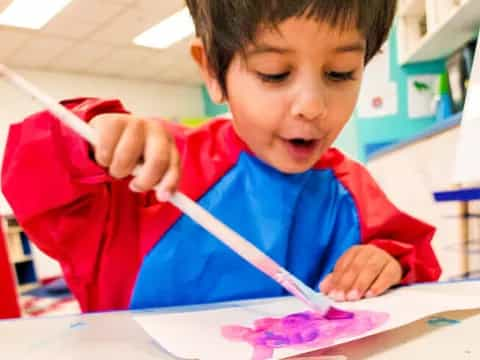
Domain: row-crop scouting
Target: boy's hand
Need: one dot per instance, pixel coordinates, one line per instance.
(126, 141)
(363, 271)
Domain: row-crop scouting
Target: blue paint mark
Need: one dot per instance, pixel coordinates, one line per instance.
(78, 325)
(440, 322)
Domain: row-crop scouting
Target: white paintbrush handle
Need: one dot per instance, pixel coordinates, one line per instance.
(229, 237)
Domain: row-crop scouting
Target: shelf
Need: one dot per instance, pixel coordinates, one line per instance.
(27, 287)
(415, 8)
(455, 31)
(20, 254)
(20, 259)
(437, 128)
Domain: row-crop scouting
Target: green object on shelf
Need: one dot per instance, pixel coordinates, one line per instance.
(443, 87)
(444, 101)
(421, 86)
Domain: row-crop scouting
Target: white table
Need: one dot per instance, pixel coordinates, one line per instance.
(118, 336)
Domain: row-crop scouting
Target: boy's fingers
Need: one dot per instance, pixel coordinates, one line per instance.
(157, 158)
(169, 183)
(326, 285)
(341, 267)
(128, 151)
(391, 275)
(344, 261)
(343, 283)
(107, 141)
(367, 277)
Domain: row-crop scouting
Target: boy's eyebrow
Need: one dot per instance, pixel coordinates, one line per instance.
(264, 48)
(358, 46)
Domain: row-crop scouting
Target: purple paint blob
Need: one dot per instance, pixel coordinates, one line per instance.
(303, 330)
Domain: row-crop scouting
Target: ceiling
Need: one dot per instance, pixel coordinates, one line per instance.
(95, 37)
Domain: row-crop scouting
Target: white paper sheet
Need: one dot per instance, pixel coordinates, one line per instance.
(378, 101)
(421, 101)
(378, 95)
(196, 335)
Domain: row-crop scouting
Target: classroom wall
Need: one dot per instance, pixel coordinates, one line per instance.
(376, 131)
(348, 141)
(212, 109)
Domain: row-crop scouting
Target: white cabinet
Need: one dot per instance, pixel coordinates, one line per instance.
(432, 29)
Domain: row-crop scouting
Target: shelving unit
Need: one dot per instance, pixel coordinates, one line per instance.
(432, 29)
(20, 254)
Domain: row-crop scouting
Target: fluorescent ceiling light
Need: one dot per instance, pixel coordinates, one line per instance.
(171, 30)
(31, 14)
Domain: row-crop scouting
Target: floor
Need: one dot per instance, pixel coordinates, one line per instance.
(33, 306)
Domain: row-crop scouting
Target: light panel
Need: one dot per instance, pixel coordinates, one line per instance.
(31, 14)
(171, 30)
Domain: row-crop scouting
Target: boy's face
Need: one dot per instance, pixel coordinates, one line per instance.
(294, 91)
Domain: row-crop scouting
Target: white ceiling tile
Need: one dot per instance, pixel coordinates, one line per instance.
(12, 40)
(142, 72)
(96, 37)
(39, 52)
(127, 2)
(123, 29)
(69, 28)
(132, 54)
(110, 68)
(166, 8)
(93, 11)
(132, 62)
(81, 57)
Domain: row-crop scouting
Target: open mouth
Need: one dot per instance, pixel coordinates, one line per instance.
(301, 148)
(302, 143)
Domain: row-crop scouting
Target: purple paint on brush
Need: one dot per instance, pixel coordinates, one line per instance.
(303, 330)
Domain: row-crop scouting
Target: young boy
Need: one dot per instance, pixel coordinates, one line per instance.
(291, 73)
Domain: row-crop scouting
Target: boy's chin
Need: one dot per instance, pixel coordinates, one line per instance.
(290, 167)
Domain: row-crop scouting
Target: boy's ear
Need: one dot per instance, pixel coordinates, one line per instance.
(199, 55)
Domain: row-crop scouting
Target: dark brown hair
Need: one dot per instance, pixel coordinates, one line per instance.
(228, 26)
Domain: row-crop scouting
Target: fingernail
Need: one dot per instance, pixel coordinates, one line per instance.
(133, 187)
(353, 295)
(163, 196)
(337, 295)
(369, 294)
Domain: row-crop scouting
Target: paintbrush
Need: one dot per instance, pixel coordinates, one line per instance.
(229, 237)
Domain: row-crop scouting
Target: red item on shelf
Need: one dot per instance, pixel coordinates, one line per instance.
(9, 307)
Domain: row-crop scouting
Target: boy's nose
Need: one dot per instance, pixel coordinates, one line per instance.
(310, 104)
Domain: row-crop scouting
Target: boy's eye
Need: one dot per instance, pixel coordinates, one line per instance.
(340, 76)
(273, 78)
